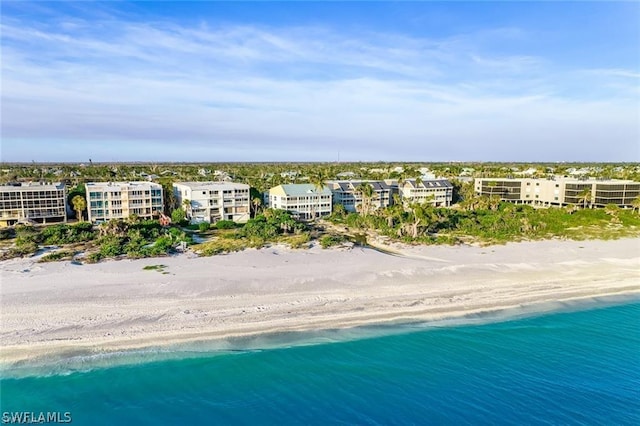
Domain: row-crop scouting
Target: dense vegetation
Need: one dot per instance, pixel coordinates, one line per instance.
(29, 238)
(268, 227)
(134, 239)
(492, 222)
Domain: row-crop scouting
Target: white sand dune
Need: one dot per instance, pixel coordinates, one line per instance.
(57, 308)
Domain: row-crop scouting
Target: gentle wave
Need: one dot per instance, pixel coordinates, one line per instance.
(83, 361)
(574, 367)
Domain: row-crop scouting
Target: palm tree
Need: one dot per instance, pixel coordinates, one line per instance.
(392, 213)
(114, 227)
(79, 204)
(492, 185)
(187, 207)
(418, 216)
(482, 203)
(494, 202)
(257, 203)
(338, 210)
(571, 208)
(287, 224)
(585, 197)
(316, 178)
(368, 193)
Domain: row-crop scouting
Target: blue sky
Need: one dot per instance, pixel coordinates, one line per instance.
(308, 81)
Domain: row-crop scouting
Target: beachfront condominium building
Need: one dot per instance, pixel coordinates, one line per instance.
(118, 200)
(350, 193)
(32, 203)
(305, 201)
(438, 192)
(213, 201)
(558, 191)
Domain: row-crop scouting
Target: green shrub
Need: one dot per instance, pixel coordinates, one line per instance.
(260, 228)
(67, 234)
(27, 233)
(178, 215)
(204, 226)
(163, 244)
(25, 249)
(149, 229)
(225, 224)
(220, 246)
(112, 246)
(135, 247)
(297, 241)
(94, 257)
(230, 234)
(327, 241)
(58, 255)
(179, 235)
(26, 243)
(7, 233)
(159, 268)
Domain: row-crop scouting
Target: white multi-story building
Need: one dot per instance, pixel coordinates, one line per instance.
(214, 201)
(33, 202)
(117, 200)
(305, 201)
(438, 192)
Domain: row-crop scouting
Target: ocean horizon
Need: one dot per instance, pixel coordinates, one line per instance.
(569, 363)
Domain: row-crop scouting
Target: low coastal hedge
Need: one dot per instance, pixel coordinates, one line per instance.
(58, 255)
(225, 224)
(220, 246)
(327, 241)
(297, 241)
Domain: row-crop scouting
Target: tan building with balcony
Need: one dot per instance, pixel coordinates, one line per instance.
(118, 200)
(560, 191)
(32, 203)
(214, 201)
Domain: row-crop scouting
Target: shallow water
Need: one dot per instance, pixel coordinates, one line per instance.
(578, 367)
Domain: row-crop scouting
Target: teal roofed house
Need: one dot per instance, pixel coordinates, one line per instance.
(304, 200)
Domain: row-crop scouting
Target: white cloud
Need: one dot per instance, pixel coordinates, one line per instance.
(280, 88)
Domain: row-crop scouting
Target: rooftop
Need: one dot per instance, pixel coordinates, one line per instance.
(212, 185)
(429, 183)
(32, 186)
(564, 179)
(301, 189)
(352, 185)
(98, 185)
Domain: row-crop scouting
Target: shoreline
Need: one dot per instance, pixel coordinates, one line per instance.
(175, 347)
(56, 311)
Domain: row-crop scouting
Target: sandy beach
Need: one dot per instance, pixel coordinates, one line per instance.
(53, 309)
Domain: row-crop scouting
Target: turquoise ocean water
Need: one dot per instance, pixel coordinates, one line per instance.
(574, 367)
